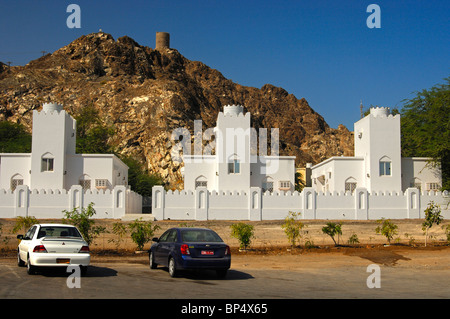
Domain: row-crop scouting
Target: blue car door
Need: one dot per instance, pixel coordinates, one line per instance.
(166, 244)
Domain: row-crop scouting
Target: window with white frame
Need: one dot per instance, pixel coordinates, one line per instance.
(433, 187)
(350, 185)
(101, 183)
(234, 166)
(385, 167)
(285, 185)
(47, 163)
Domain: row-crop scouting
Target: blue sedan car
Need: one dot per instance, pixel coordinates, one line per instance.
(190, 248)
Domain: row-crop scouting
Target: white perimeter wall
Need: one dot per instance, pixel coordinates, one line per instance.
(113, 203)
(202, 204)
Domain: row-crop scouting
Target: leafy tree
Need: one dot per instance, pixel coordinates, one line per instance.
(242, 232)
(425, 127)
(139, 178)
(24, 223)
(14, 138)
(142, 232)
(387, 229)
(292, 227)
(432, 216)
(82, 220)
(333, 229)
(92, 133)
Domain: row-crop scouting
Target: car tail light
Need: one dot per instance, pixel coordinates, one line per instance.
(39, 249)
(84, 249)
(185, 249)
(227, 250)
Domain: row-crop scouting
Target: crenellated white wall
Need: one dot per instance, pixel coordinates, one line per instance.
(51, 203)
(252, 204)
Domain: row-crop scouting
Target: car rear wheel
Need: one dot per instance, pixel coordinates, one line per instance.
(31, 270)
(151, 260)
(20, 262)
(172, 268)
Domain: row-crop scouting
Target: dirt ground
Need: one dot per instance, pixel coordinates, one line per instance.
(270, 247)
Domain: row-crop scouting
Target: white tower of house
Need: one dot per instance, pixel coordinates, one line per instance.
(54, 136)
(233, 142)
(377, 140)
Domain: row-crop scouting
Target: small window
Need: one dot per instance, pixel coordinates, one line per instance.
(385, 168)
(85, 184)
(267, 186)
(16, 181)
(101, 183)
(201, 184)
(285, 185)
(350, 187)
(47, 164)
(234, 167)
(433, 187)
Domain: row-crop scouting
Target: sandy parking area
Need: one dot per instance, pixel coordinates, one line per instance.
(270, 248)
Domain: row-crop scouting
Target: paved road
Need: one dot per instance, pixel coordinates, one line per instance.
(136, 280)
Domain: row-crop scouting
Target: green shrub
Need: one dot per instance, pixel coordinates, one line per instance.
(387, 229)
(24, 223)
(243, 233)
(292, 227)
(142, 232)
(333, 229)
(82, 220)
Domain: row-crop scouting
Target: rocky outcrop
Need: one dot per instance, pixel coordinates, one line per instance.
(147, 93)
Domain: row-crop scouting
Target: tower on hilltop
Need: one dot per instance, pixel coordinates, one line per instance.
(162, 40)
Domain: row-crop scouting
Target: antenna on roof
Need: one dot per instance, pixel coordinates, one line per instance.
(361, 109)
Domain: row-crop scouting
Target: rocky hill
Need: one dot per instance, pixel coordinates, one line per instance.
(147, 93)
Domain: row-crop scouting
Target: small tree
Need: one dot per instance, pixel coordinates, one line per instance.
(82, 220)
(120, 231)
(24, 223)
(243, 233)
(292, 227)
(333, 229)
(142, 232)
(432, 216)
(387, 229)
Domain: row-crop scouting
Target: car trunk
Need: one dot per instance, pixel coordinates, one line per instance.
(203, 250)
(60, 245)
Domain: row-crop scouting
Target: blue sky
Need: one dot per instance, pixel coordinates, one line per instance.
(320, 50)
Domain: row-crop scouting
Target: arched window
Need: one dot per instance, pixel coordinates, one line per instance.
(234, 165)
(47, 161)
(16, 180)
(85, 182)
(350, 184)
(385, 166)
(267, 184)
(201, 181)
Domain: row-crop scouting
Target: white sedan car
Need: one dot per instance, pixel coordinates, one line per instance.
(52, 245)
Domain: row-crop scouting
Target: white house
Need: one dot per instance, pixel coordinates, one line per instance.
(235, 166)
(53, 177)
(377, 164)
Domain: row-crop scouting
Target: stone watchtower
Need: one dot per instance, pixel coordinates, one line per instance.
(162, 40)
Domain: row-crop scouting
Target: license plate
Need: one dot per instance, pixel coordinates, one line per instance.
(207, 252)
(63, 261)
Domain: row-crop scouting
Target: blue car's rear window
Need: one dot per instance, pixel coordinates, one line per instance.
(200, 235)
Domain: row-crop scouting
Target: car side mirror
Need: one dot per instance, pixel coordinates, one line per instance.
(19, 236)
(155, 239)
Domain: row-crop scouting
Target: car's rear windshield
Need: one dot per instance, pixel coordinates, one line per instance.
(200, 235)
(58, 231)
